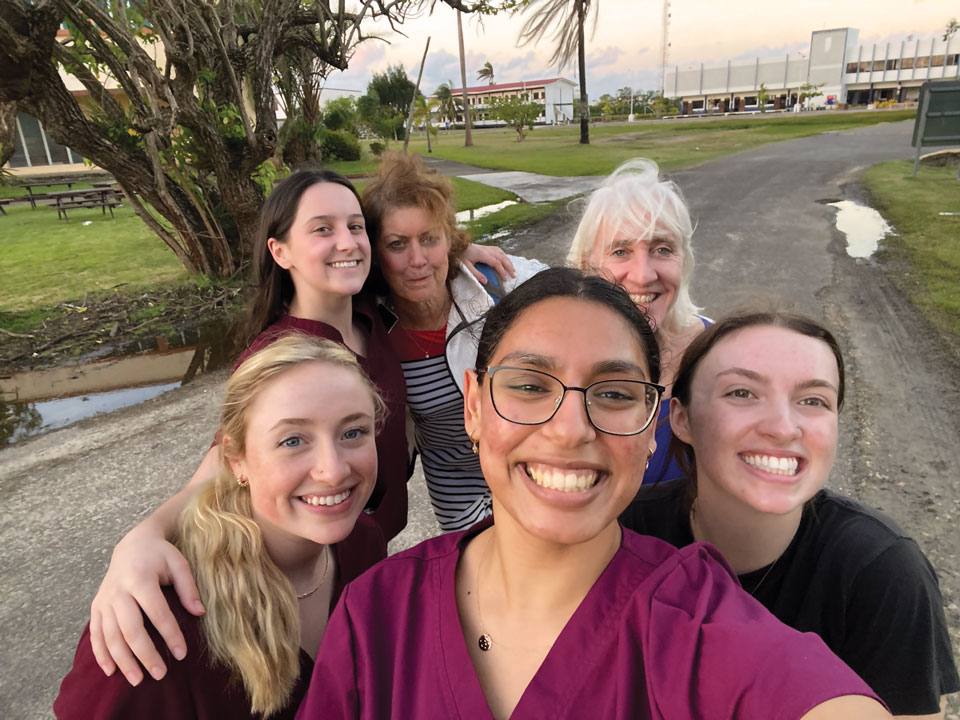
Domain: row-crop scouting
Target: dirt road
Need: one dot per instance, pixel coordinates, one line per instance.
(68, 496)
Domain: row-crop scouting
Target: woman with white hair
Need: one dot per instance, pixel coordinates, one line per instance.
(636, 231)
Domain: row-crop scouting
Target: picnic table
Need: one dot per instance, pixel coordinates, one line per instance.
(41, 196)
(105, 198)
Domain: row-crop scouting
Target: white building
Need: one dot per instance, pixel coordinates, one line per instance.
(555, 95)
(852, 74)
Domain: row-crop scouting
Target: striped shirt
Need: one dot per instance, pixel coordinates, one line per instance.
(459, 493)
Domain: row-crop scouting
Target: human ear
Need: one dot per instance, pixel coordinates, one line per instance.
(278, 251)
(471, 404)
(680, 422)
(237, 463)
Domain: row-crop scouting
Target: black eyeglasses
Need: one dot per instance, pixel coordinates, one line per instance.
(531, 397)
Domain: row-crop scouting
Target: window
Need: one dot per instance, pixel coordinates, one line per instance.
(878, 65)
(852, 67)
(906, 64)
(923, 62)
(952, 59)
(865, 66)
(893, 64)
(936, 61)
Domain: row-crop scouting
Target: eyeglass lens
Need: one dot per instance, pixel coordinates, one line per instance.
(531, 397)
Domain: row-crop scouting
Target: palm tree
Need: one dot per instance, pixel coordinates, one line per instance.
(565, 20)
(486, 72)
(446, 102)
(467, 137)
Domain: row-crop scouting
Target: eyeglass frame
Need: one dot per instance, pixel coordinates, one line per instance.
(491, 370)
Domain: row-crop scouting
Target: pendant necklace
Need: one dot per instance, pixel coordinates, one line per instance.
(484, 642)
(326, 567)
(413, 338)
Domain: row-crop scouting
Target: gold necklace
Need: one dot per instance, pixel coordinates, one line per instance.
(326, 567)
(413, 338)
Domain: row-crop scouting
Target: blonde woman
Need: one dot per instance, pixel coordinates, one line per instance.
(636, 231)
(271, 540)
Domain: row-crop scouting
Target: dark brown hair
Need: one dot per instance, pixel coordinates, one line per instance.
(272, 285)
(402, 182)
(704, 342)
(572, 283)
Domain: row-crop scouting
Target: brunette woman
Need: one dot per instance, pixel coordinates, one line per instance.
(755, 410)
(550, 609)
(272, 540)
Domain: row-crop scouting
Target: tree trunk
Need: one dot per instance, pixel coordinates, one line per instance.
(8, 131)
(468, 137)
(582, 61)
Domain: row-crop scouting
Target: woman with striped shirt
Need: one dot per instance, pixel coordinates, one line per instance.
(427, 301)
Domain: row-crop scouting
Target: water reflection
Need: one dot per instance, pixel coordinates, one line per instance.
(863, 226)
(41, 400)
(468, 215)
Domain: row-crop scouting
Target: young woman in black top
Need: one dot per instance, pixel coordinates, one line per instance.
(754, 411)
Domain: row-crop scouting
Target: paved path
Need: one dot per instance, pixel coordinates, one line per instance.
(67, 497)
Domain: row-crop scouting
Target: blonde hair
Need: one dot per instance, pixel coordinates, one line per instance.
(634, 198)
(252, 623)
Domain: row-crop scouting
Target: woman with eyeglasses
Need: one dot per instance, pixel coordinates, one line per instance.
(755, 410)
(549, 608)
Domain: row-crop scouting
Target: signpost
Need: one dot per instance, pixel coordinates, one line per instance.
(938, 117)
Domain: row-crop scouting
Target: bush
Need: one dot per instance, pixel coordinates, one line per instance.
(377, 147)
(341, 145)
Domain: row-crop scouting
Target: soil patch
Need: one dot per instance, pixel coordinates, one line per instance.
(119, 324)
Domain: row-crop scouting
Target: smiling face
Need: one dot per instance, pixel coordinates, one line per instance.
(762, 419)
(650, 269)
(326, 249)
(310, 456)
(413, 254)
(580, 342)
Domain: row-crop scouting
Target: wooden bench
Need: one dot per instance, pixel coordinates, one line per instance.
(6, 201)
(104, 205)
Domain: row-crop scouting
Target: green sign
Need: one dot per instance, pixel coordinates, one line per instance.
(940, 108)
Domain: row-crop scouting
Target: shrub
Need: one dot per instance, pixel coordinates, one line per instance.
(341, 145)
(377, 147)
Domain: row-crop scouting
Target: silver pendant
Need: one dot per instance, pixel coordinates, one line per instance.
(484, 642)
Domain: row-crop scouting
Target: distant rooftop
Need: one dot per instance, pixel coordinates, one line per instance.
(523, 84)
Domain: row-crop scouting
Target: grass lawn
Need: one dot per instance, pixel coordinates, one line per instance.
(928, 242)
(513, 217)
(72, 259)
(44, 261)
(17, 191)
(674, 145)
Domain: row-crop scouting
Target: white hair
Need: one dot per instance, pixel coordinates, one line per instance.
(634, 200)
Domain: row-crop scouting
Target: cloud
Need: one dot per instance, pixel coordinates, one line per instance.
(608, 56)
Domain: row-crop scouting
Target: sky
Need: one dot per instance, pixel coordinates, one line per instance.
(624, 50)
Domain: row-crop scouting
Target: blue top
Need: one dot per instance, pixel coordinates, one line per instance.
(663, 467)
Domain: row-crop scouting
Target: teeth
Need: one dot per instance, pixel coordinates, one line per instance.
(643, 299)
(772, 464)
(327, 500)
(563, 481)
(345, 263)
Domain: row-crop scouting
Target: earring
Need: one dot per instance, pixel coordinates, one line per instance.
(476, 446)
(649, 455)
(242, 481)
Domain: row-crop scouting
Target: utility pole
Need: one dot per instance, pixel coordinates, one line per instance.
(664, 47)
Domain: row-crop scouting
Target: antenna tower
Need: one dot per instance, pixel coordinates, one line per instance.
(664, 46)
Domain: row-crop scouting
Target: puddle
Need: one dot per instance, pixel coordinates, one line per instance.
(35, 402)
(863, 226)
(468, 215)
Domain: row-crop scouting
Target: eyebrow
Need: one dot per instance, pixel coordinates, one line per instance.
(328, 218)
(543, 362)
(402, 236)
(753, 375)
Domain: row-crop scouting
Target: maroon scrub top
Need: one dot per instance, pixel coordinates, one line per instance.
(194, 688)
(663, 634)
